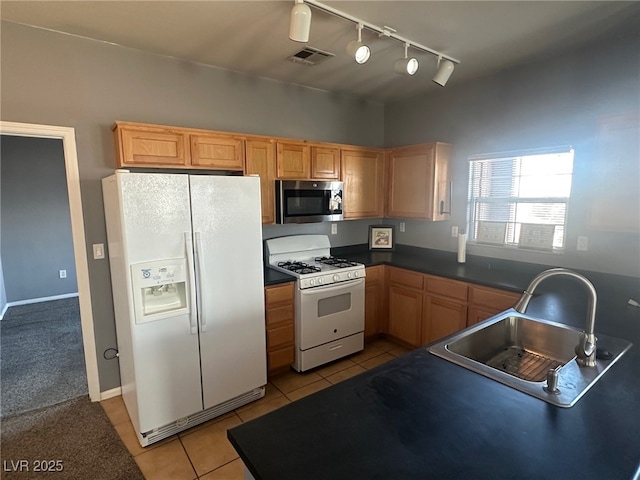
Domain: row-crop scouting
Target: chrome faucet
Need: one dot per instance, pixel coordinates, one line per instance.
(586, 349)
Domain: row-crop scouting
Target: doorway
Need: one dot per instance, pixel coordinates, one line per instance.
(67, 135)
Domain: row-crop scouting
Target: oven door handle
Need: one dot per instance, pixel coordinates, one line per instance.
(332, 288)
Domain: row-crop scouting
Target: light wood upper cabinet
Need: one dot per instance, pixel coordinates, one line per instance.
(151, 147)
(362, 174)
(293, 161)
(325, 163)
(260, 159)
(139, 145)
(418, 179)
(217, 151)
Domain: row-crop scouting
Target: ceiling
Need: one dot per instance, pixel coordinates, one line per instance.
(252, 36)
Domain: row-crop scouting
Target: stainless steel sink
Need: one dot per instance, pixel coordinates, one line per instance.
(519, 351)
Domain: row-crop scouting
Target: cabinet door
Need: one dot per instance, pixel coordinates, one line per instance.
(293, 161)
(374, 301)
(260, 159)
(151, 147)
(325, 163)
(417, 181)
(442, 317)
(362, 174)
(217, 152)
(405, 314)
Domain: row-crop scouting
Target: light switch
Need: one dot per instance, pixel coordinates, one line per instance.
(63, 273)
(334, 229)
(402, 226)
(98, 251)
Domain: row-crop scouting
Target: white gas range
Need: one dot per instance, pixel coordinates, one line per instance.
(329, 298)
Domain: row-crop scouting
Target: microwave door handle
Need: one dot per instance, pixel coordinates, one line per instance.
(332, 288)
(200, 260)
(193, 315)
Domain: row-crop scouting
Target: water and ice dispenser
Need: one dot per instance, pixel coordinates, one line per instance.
(159, 289)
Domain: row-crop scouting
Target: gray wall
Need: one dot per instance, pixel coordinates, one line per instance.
(55, 79)
(556, 102)
(36, 224)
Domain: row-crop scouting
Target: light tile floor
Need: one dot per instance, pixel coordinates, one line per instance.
(203, 452)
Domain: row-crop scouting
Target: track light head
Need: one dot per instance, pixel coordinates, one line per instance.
(300, 25)
(358, 50)
(445, 69)
(406, 66)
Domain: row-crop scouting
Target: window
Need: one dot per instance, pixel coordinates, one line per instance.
(520, 198)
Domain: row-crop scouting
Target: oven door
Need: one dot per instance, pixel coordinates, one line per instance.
(325, 314)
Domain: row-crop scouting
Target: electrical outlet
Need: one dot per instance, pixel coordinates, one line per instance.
(334, 229)
(583, 244)
(98, 251)
(402, 226)
(63, 274)
(454, 230)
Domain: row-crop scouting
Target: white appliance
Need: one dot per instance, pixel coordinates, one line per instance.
(329, 298)
(185, 254)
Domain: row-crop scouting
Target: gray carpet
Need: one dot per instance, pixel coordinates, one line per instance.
(41, 356)
(75, 437)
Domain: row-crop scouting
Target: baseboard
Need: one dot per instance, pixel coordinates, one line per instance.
(41, 299)
(114, 392)
(4, 310)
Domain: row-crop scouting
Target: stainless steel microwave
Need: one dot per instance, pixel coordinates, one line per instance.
(306, 201)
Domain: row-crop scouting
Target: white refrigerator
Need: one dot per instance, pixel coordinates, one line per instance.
(185, 253)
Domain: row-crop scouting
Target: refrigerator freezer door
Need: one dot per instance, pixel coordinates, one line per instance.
(164, 371)
(227, 226)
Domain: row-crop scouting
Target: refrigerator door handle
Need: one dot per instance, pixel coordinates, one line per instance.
(200, 259)
(193, 316)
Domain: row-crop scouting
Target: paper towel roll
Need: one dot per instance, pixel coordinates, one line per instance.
(462, 247)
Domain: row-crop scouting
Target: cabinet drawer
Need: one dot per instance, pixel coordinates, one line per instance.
(498, 300)
(280, 358)
(279, 294)
(279, 315)
(447, 288)
(406, 278)
(279, 337)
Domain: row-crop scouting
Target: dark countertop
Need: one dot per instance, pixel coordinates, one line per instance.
(422, 417)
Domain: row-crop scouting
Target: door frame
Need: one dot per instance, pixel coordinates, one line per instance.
(67, 135)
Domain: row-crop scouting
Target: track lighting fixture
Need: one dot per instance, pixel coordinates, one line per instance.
(300, 25)
(358, 50)
(445, 69)
(406, 66)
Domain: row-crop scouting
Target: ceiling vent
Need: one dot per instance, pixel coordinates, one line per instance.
(310, 56)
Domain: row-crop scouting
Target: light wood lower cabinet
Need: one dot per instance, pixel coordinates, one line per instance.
(485, 302)
(374, 301)
(445, 309)
(280, 326)
(425, 308)
(406, 301)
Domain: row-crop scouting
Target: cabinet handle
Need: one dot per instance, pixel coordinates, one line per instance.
(442, 210)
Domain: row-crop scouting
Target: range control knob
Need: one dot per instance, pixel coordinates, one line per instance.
(336, 278)
(319, 280)
(311, 281)
(349, 275)
(356, 274)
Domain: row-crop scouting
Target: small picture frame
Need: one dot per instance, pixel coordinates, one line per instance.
(381, 237)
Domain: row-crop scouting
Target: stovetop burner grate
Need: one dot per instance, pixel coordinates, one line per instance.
(336, 262)
(298, 267)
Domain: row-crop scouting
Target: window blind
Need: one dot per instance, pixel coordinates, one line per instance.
(521, 198)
